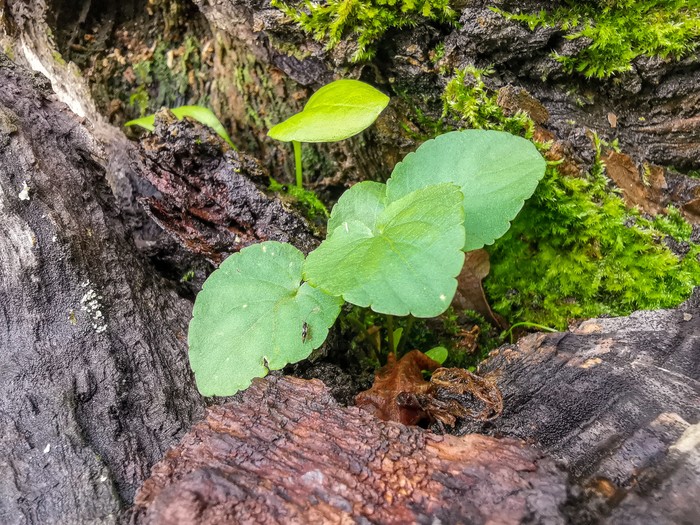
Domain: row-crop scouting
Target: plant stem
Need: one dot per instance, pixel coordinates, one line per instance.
(406, 334)
(297, 163)
(390, 329)
(529, 325)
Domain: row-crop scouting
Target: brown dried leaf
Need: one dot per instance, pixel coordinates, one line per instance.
(470, 293)
(393, 379)
(456, 393)
(624, 173)
(400, 393)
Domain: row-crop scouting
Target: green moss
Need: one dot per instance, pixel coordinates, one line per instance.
(575, 251)
(169, 78)
(472, 104)
(58, 58)
(362, 21)
(307, 201)
(620, 31)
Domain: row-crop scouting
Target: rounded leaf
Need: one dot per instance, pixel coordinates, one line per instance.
(495, 170)
(253, 315)
(335, 112)
(401, 257)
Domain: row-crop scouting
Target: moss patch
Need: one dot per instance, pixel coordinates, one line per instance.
(621, 30)
(575, 250)
(362, 21)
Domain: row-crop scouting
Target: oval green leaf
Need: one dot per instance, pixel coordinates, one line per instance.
(254, 315)
(201, 114)
(335, 112)
(396, 257)
(495, 170)
(438, 354)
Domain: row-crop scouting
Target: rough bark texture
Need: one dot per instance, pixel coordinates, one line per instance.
(618, 402)
(95, 384)
(285, 452)
(209, 201)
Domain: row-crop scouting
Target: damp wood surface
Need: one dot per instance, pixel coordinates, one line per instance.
(285, 452)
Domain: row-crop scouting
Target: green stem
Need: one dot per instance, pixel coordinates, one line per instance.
(406, 334)
(390, 328)
(297, 163)
(529, 325)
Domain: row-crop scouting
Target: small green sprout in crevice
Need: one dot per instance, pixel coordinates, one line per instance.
(335, 112)
(204, 116)
(362, 22)
(619, 31)
(310, 205)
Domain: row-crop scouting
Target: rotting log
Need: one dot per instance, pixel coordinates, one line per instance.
(209, 197)
(285, 452)
(617, 401)
(95, 384)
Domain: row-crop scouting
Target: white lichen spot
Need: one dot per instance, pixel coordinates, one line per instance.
(103, 478)
(90, 303)
(24, 192)
(47, 448)
(443, 298)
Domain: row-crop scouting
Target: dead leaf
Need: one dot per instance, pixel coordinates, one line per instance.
(456, 393)
(470, 292)
(391, 380)
(400, 393)
(624, 173)
(612, 119)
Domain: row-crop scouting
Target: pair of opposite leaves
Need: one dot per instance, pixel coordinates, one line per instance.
(396, 248)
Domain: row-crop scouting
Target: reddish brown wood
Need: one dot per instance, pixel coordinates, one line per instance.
(286, 452)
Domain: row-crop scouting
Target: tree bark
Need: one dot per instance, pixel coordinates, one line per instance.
(95, 384)
(285, 452)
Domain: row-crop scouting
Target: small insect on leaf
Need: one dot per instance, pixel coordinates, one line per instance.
(305, 332)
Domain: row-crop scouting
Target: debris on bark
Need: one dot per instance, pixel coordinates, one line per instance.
(401, 394)
(285, 452)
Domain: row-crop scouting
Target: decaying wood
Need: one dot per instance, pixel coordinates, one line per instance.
(285, 452)
(210, 197)
(617, 400)
(95, 384)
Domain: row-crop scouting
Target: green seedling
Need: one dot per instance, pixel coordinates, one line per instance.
(396, 248)
(204, 116)
(438, 354)
(335, 112)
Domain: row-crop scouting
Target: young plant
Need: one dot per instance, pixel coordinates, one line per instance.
(396, 248)
(335, 112)
(204, 116)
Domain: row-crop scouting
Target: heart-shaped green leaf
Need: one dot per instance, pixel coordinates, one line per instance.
(397, 257)
(253, 315)
(335, 112)
(202, 115)
(496, 172)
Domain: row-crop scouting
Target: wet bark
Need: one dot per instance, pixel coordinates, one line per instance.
(285, 452)
(618, 402)
(95, 384)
